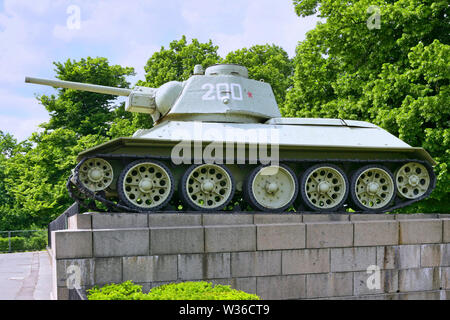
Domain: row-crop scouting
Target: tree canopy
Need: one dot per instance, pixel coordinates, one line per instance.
(81, 111)
(395, 75)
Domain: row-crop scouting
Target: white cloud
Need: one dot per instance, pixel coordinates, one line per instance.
(20, 128)
(20, 115)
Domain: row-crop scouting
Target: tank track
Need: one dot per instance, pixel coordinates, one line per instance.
(86, 198)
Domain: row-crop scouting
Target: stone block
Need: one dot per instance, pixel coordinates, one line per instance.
(62, 293)
(174, 220)
(150, 268)
(175, 240)
(416, 216)
(80, 221)
(305, 261)
(281, 287)
(352, 259)
(371, 216)
(435, 255)
(75, 273)
(230, 238)
(277, 218)
(417, 231)
(260, 263)
(445, 278)
(375, 233)
(398, 257)
(203, 266)
(107, 270)
(280, 236)
(329, 284)
(121, 242)
(331, 217)
(323, 234)
(72, 244)
(445, 255)
(422, 279)
(446, 231)
(119, 220)
(247, 284)
(210, 219)
(427, 295)
(375, 281)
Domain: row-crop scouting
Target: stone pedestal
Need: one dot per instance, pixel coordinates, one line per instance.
(276, 256)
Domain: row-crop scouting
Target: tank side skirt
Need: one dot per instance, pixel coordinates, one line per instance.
(100, 196)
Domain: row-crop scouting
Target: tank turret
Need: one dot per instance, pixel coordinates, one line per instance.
(208, 151)
(222, 93)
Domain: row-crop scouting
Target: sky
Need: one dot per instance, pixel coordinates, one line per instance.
(35, 33)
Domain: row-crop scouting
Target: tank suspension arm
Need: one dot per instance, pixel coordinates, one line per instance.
(80, 86)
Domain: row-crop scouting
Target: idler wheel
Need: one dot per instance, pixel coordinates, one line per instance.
(372, 188)
(146, 185)
(96, 174)
(412, 180)
(207, 187)
(324, 187)
(271, 188)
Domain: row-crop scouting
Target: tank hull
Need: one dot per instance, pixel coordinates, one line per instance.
(242, 148)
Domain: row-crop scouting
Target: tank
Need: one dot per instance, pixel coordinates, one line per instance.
(218, 140)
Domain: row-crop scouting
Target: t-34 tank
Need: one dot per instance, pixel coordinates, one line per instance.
(220, 135)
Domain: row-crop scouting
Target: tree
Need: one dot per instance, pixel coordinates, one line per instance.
(269, 63)
(177, 62)
(81, 111)
(396, 76)
(37, 179)
(34, 174)
(9, 148)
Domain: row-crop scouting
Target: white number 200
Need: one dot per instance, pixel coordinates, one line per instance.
(222, 90)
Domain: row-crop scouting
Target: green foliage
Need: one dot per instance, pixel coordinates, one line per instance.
(396, 76)
(81, 111)
(31, 241)
(9, 150)
(199, 290)
(123, 291)
(37, 242)
(17, 244)
(177, 62)
(34, 173)
(37, 179)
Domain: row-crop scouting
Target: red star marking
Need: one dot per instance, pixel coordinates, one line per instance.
(250, 95)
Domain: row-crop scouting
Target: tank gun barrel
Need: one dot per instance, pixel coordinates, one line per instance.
(80, 86)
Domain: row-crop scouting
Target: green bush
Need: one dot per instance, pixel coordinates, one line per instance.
(36, 243)
(199, 290)
(17, 244)
(123, 291)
